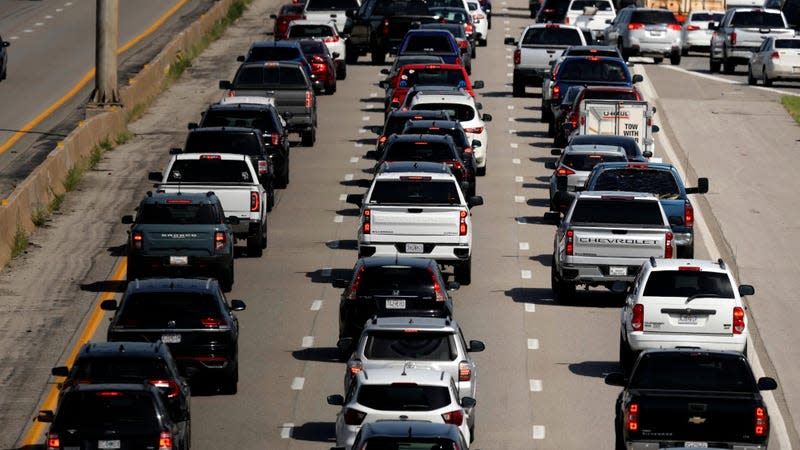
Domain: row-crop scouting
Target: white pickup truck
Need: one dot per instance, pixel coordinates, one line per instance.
(618, 118)
(604, 239)
(591, 15)
(417, 209)
(740, 33)
(233, 180)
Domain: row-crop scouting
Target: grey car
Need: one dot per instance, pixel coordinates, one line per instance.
(646, 32)
(574, 165)
(3, 58)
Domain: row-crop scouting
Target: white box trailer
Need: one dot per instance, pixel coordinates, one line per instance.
(618, 117)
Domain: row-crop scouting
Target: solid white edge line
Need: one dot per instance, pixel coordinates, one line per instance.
(286, 430)
(725, 80)
(778, 426)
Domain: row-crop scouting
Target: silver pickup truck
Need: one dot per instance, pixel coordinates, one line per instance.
(604, 239)
(740, 33)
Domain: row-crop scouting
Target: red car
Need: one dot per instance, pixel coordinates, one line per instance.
(571, 114)
(322, 65)
(287, 13)
(412, 75)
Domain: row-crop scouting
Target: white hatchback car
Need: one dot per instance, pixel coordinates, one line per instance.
(326, 32)
(695, 34)
(683, 303)
(400, 394)
(462, 107)
(480, 22)
(776, 59)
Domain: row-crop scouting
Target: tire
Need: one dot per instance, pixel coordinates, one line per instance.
(257, 244)
(284, 180)
(619, 443)
(559, 141)
(551, 129)
(518, 87)
(728, 66)
(463, 272)
(480, 171)
(563, 292)
(685, 251)
(341, 72)
(714, 66)
(5, 73)
(308, 137)
(378, 57)
(469, 68)
(675, 58)
(547, 114)
(330, 90)
(132, 273)
(351, 55)
(684, 51)
(625, 356)
(625, 54)
(270, 195)
(658, 60)
(764, 79)
(230, 384)
(751, 80)
(474, 53)
(226, 280)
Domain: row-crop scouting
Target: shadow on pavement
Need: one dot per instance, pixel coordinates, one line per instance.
(595, 369)
(538, 296)
(328, 275)
(315, 431)
(342, 244)
(319, 354)
(105, 286)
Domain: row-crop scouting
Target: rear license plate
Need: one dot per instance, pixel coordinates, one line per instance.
(414, 248)
(616, 271)
(178, 260)
(687, 319)
(690, 444)
(656, 33)
(395, 304)
(171, 338)
(795, 69)
(108, 444)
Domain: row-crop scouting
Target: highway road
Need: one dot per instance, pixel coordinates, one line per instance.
(541, 377)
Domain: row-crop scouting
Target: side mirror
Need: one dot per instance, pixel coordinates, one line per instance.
(273, 16)
(476, 143)
(655, 128)
(509, 41)
(746, 289)
(340, 283)
(127, 219)
(288, 115)
(475, 201)
(702, 187)
(176, 150)
(616, 379)
(453, 286)
(238, 305)
(155, 176)
(335, 55)
(477, 84)
(468, 402)
(476, 346)
(767, 384)
(556, 151)
(225, 84)
(45, 416)
(335, 400)
(192, 125)
(240, 58)
(108, 305)
(350, 13)
(638, 78)
(550, 165)
(713, 25)
(385, 71)
(345, 343)
(479, 105)
(647, 154)
(552, 217)
(232, 220)
(60, 371)
(383, 84)
(608, 21)
(487, 117)
(653, 110)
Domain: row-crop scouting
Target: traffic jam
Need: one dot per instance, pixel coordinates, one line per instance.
(623, 221)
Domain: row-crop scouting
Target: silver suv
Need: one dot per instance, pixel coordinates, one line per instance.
(646, 32)
(416, 342)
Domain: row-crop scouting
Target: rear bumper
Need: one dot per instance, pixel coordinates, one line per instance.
(640, 341)
(655, 445)
(246, 228)
(202, 366)
(159, 266)
(597, 273)
(353, 314)
(442, 253)
(530, 76)
(653, 48)
(300, 123)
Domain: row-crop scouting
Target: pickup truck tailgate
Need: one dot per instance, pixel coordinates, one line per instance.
(235, 199)
(414, 223)
(618, 242)
(753, 37)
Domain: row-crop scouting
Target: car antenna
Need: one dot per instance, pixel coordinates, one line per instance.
(404, 368)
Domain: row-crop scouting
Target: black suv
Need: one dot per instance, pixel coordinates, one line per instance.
(130, 362)
(552, 11)
(396, 121)
(120, 416)
(191, 316)
(384, 286)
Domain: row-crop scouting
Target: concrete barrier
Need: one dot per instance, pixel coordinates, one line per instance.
(41, 187)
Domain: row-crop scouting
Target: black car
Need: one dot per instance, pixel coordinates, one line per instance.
(403, 434)
(191, 316)
(130, 362)
(552, 11)
(396, 121)
(385, 286)
(265, 118)
(431, 148)
(628, 143)
(114, 416)
(3, 58)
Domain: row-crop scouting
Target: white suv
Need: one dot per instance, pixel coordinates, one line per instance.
(462, 107)
(400, 394)
(683, 303)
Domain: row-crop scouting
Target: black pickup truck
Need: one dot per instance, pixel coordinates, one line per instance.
(691, 398)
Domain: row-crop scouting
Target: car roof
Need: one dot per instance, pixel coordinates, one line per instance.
(705, 265)
(601, 88)
(273, 63)
(462, 97)
(172, 285)
(427, 32)
(414, 168)
(443, 66)
(248, 100)
(98, 387)
(412, 323)
(128, 349)
(312, 22)
(409, 428)
(391, 375)
(199, 198)
(601, 139)
(421, 113)
(432, 138)
(282, 43)
(227, 130)
(222, 156)
(400, 261)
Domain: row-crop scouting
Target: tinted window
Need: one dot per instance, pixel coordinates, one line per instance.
(309, 31)
(685, 284)
(413, 443)
(414, 7)
(418, 346)
(624, 212)
(264, 77)
(459, 137)
(585, 162)
(404, 397)
(111, 409)
(757, 18)
(291, 9)
(629, 144)
(120, 369)
(660, 182)
(552, 35)
(603, 70)
(396, 281)
(273, 54)
(445, 3)
(787, 43)
(601, 5)
(415, 192)
(456, 29)
(653, 17)
(230, 143)
(452, 15)
(177, 214)
(209, 171)
(456, 111)
(609, 95)
(325, 5)
(693, 372)
(157, 309)
(313, 47)
(432, 77)
(411, 151)
(709, 17)
(428, 44)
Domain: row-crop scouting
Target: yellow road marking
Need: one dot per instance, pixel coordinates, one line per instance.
(85, 80)
(37, 429)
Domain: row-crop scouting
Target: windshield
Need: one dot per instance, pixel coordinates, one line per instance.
(209, 171)
(116, 368)
(593, 70)
(416, 192)
(552, 35)
(586, 162)
(415, 346)
(428, 44)
(757, 18)
(258, 54)
(601, 5)
(456, 111)
(693, 372)
(404, 397)
(659, 182)
(396, 282)
(622, 212)
(706, 17)
(653, 17)
(432, 77)
(176, 214)
(107, 409)
(168, 310)
(686, 283)
(243, 144)
(310, 31)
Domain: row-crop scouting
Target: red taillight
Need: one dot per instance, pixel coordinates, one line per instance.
(475, 130)
(455, 165)
(308, 99)
(464, 371)
(275, 139)
(437, 288)
(262, 167)
(738, 320)
(570, 248)
(137, 240)
(517, 56)
(637, 318)
(674, 26)
(556, 92)
(354, 367)
(762, 422)
(467, 150)
(733, 38)
(468, 27)
(385, 27)
(165, 441)
(219, 241)
(454, 417)
(462, 223)
(211, 322)
(775, 55)
(351, 294)
(382, 140)
(668, 245)
(53, 442)
(462, 43)
(635, 26)
(692, 28)
(331, 39)
(353, 416)
(566, 20)
(109, 394)
(564, 171)
(169, 385)
(632, 417)
(231, 93)
(255, 201)
(366, 222)
(688, 215)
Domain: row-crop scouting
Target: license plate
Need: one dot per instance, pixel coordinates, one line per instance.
(178, 260)
(695, 444)
(618, 271)
(108, 444)
(795, 69)
(414, 248)
(687, 319)
(395, 304)
(171, 338)
(656, 33)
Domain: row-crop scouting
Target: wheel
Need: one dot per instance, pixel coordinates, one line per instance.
(471, 190)
(5, 70)
(463, 272)
(284, 180)
(351, 55)
(658, 60)
(713, 66)
(230, 384)
(675, 58)
(685, 251)
(560, 141)
(378, 57)
(256, 244)
(480, 171)
(331, 89)
(226, 280)
(619, 443)
(518, 87)
(563, 292)
(132, 273)
(625, 54)
(309, 137)
(764, 78)
(341, 71)
(625, 356)
(483, 42)
(474, 53)
(684, 51)
(270, 188)
(469, 68)
(751, 80)
(728, 66)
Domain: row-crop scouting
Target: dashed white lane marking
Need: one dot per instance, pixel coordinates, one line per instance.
(530, 307)
(359, 144)
(511, 119)
(286, 430)
(538, 432)
(512, 131)
(510, 74)
(348, 177)
(373, 94)
(39, 24)
(308, 341)
(508, 28)
(68, 4)
(510, 65)
(48, 17)
(513, 145)
(13, 38)
(519, 199)
(59, 9)
(524, 246)
(338, 219)
(519, 179)
(536, 385)
(354, 159)
(533, 344)
(298, 383)
(326, 272)
(508, 56)
(506, 22)
(362, 130)
(510, 107)
(316, 305)
(525, 274)
(342, 197)
(365, 118)
(515, 161)
(27, 30)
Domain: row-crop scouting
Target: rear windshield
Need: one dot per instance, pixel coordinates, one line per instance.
(629, 144)
(787, 43)
(653, 17)
(328, 5)
(591, 52)
(459, 137)
(122, 369)
(424, 151)
(416, 192)
(659, 182)
(265, 77)
(622, 212)
(107, 409)
(404, 397)
(230, 143)
(412, 8)
(452, 15)
(428, 44)
(586, 162)
(273, 54)
(432, 77)
(602, 70)
(693, 372)
(309, 31)
(291, 10)
(176, 214)
(209, 171)
(706, 17)
(159, 309)
(601, 5)
(417, 346)
(609, 95)
(445, 3)
(312, 47)
(456, 29)
(396, 281)
(409, 443)
(757, 19)
(552, 35)
(686, 283)
(456, 111)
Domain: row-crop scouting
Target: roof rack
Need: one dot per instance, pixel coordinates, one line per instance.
(653, 261)
(721, 263)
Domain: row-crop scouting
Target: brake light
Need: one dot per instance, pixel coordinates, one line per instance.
(385, 27)
(468, 27)
(738, 320)
(165, 441)
(464, 371)
(689, 269)
(552, 25)
(211, 322)
(437, 288)
(637, 318)
(474, 130)
(262, 167)
(454, 417)
(692, 28)
(674, 26)
(762, 421)
(517, 57)
(564, 171)
(462, 43)
(556, 92)
(733, 38)
(255, 201)
(635, 26)
(632, 417)
(231, 93)
(467, 150)
(351, 294)
(455, 165)
(354, 367)
(688, 215)
(109, 394)
(219, 241)
(366, 223)
(668, 245)
(179, 201)
(570, 247)
(775, 55)
(462, 226)
(53, 442)
(137, 240)
(275, 139)
(331, 39)
(573, 120)
(382, 140)
(308, 99)
(566, 20)
(353, 416)
(170, 385)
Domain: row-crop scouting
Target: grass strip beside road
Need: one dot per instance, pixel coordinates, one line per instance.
(792, 105)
